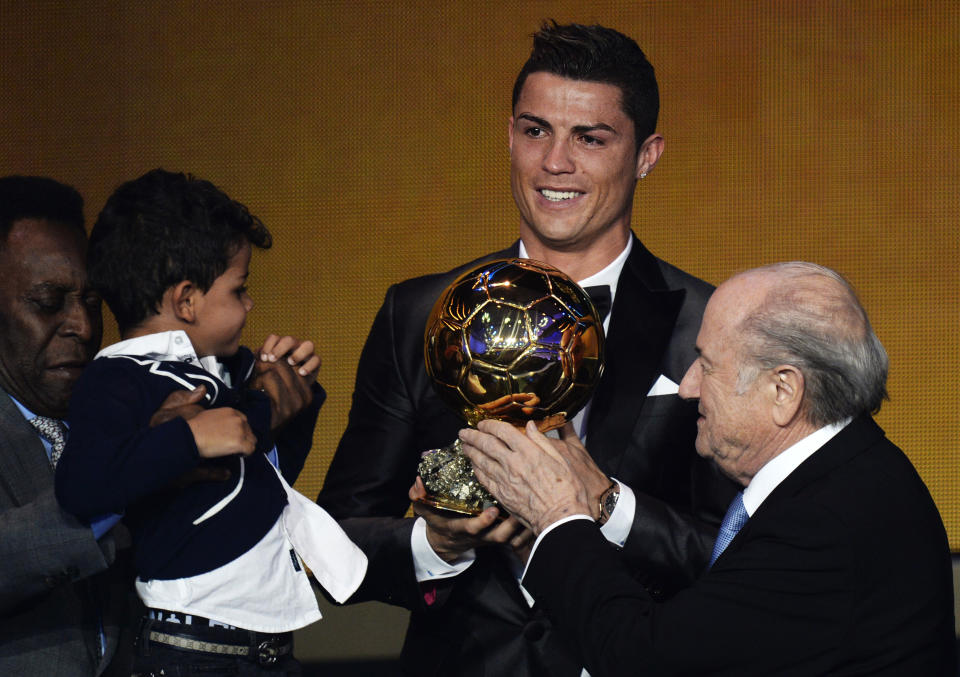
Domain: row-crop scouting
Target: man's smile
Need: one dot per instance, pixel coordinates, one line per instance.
(559, 195)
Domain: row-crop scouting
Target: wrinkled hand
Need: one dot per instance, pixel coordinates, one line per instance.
(538, 479)
(180, 403)
(450, 536)
(285, 370)
(222, 432)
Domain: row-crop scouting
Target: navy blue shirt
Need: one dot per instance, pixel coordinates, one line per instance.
(115, 462)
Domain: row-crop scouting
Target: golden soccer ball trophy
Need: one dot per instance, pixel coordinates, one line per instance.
(514, 340)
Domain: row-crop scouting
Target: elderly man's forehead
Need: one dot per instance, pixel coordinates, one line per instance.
(43, 253)
(33, 234)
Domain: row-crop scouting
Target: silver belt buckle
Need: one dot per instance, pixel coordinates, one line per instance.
(268, 651)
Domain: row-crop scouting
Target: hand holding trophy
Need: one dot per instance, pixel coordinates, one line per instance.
(514, 340)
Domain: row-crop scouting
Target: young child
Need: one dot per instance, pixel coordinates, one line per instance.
(219, 561)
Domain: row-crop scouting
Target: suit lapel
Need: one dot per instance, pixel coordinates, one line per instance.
(25, 468)
(643, 316)
(860, 434)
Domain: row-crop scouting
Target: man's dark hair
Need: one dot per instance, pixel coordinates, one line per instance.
(597, 54)
(37, 197)
(159, 230)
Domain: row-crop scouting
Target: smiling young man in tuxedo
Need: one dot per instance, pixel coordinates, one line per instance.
(582, 133)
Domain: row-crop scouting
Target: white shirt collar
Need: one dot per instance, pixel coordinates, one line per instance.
(609, 275)
(780, 466)
(165, 346)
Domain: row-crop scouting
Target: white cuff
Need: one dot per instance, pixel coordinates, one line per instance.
(618, 526)
(427, 564)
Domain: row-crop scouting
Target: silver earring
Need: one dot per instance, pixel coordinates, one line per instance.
(643, 175)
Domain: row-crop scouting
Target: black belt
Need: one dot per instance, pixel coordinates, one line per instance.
(260, 647)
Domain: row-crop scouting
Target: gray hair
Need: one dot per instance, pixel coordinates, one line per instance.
(814, 322)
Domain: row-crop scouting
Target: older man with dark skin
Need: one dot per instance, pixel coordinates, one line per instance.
(63, 594)
(832, 560)
(59, 607)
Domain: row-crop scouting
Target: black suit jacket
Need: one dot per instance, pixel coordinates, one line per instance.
(55, 586)
(481, 625)
(843, 570)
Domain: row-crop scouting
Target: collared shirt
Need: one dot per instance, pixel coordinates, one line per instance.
(768, 478)
(29, 415)
(99, 526)
(780, 466)
(176, 346)
(609, 276)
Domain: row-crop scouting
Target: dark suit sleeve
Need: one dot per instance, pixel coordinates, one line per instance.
(675, 525)
(42, 547)
(778, 605)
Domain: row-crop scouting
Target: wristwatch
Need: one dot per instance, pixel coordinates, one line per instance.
(608, 501)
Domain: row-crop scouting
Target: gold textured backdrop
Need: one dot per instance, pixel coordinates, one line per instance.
(371, 138)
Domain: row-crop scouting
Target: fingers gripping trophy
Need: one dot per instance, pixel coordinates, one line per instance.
(514, 340)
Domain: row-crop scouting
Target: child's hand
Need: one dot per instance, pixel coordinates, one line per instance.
(285, 372)
(222, 432)
(299, 354)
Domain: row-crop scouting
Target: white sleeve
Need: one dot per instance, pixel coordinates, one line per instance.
(618, 526)
(427, 564)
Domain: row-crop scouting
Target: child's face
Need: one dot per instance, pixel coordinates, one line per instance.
(222, 311)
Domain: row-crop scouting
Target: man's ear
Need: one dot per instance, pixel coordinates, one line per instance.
(788, 386)
(650, 151)
(183, 298)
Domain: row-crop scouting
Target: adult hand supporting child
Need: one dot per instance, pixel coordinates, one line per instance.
(285, 372)
(179, 403)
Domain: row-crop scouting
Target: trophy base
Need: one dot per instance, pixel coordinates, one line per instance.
(448, 477)
(450, 483)
(441, 503)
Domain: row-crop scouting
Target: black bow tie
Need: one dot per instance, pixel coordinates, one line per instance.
(600, 295)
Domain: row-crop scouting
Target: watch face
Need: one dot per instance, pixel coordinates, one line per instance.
(610, 502)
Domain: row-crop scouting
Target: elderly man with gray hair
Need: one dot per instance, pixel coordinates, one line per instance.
(832, 560)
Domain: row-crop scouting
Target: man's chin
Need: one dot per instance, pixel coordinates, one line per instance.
(57, 385)
(703, 449)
